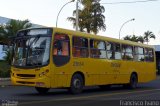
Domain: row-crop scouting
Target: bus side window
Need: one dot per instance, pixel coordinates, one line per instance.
(139, 53)
(97, 49)
(118, 55)
(80, 47)
(127, 52)
(149, 55)
(110, 50)
(113, 50)
(61, 45)
(61, 49)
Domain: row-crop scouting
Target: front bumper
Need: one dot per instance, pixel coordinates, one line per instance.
(36, 82)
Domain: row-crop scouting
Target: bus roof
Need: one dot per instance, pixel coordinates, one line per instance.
(99, 37)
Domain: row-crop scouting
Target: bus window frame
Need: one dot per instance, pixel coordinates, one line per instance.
(153, 54)
(114, 50)
(97, 48)
(88, 47)
(61, 56)
(139, 53)
(133, 52)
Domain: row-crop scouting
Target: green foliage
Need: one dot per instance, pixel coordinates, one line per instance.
(4, 69)
(91, 18)
(11, 28)
(134, 38)
(141, 39)
(8, 56)
(148, 35)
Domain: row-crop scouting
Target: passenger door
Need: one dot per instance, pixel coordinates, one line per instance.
(61, 58)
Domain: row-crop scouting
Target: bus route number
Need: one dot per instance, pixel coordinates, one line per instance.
(116, 65)
(77, 63)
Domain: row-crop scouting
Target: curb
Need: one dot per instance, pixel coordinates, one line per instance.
(5, 82)
(158, 77)
(5, 79)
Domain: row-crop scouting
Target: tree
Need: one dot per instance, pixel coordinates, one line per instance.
(131, 38)
(98, 18)
(73, 20)
(134, 38)
(8, 56)
(11, 28)
(128, 37)
(148, 35)
(91, 18)
(141, 39)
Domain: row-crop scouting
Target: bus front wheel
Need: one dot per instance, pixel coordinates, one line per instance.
(42, 90)
(77, 84)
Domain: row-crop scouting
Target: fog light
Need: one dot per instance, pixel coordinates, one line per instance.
(40, 83)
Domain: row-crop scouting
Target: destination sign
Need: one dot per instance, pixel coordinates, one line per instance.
(38, 32)
(34, 32)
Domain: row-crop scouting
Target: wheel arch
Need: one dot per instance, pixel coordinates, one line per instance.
(80, 73)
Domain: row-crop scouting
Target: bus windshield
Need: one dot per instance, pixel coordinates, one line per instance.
(32, 51)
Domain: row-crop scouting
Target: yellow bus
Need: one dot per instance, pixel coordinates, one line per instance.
(58, 58)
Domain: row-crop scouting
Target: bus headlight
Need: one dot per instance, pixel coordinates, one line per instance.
(43, 73)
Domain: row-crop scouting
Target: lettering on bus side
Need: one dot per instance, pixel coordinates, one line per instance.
(78, 63)
(116, 65)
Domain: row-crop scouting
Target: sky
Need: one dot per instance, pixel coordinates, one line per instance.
(44, 12)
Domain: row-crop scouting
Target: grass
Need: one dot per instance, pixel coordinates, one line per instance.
(4, 69)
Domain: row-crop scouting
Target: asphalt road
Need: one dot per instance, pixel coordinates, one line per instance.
(147, 94)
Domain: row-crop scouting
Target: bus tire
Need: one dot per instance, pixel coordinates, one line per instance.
(133, 81)
(77, 83)
(41, 90)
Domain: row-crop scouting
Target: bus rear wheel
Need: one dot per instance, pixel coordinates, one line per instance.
(133, 82)
(41, 90)
(77, 83)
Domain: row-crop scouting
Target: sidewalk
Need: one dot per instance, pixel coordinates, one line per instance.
(5, 82)
(158, 76)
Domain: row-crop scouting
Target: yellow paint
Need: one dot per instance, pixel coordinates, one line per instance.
(96, 71)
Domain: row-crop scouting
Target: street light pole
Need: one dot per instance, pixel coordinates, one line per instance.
(61, 10)
(123, 25)
(77, 16)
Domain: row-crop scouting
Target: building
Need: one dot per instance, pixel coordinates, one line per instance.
(2, 54)
(3, 20)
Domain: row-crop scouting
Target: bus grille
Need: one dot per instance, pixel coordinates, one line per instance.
(26, 75)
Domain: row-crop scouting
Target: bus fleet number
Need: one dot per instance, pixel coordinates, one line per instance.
(77, 63)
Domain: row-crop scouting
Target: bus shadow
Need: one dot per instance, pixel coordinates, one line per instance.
(87, 91)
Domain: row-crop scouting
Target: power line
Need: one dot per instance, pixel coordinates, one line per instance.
(130, 2)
